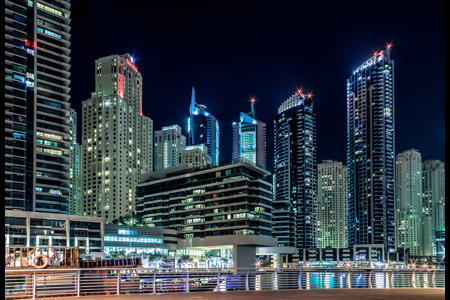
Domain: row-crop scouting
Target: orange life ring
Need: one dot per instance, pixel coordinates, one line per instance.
(44, 258)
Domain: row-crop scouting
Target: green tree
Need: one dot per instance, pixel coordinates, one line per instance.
(131, 219)
(158, 257)
(207, 255)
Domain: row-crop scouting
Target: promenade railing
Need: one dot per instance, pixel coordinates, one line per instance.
(33, 284)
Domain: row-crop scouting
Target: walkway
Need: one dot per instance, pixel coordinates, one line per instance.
(335, 294)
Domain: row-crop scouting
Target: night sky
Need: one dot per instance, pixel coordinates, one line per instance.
(232, 52)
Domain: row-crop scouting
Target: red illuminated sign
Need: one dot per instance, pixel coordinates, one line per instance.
(131, 65)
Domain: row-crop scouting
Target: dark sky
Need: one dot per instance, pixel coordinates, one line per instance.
(233, 51)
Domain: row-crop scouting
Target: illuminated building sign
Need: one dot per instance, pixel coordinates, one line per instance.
(365, 65)
(18, 77)
(131, 65)
(109, 238)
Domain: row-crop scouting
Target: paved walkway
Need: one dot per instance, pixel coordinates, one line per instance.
(338, 294)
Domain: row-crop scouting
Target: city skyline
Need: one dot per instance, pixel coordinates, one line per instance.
(226, 79)
(303, 203)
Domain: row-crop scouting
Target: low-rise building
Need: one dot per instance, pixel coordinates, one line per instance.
(35, 229)
(138, 239)
(227, 208)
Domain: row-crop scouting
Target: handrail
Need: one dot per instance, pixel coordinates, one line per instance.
(108, 281)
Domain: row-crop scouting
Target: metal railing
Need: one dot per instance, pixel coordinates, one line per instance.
(32, 284)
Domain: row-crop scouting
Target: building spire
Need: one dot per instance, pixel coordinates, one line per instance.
(252, 112)
(192, 101)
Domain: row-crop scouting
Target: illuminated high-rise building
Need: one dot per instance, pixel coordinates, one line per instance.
(332, 200)
(370, 153)
(295, 173)
(433, 189)
(168, 143)
(117, 139)
(74, 167)
(37, 138)
(203, 128)
(408, 191)
(249, 139)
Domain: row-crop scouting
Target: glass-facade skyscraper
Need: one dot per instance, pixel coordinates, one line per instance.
(295, 173)
(203, 128)
(37, 129)
(249, 139)
(371, 152)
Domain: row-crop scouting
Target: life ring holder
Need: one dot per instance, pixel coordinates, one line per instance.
(44, 258)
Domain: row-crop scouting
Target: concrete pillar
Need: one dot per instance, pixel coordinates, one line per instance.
(244, 259)
(279, 258)
(244, 256)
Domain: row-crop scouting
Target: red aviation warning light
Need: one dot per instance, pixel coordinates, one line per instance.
(389, 46)
(252, 100)
(299, 91)
(376, 53)
(309, 95)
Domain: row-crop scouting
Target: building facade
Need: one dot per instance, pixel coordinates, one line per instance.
(117, 139)
(249, 139)
(295, 173)
(332, 197)
(195, 156)
(226, 207)
(370, 152)
(408, 190)
(75, 167)
(138, 239)
(168, 143)
(33, 229)
(37, 137)
(433, 189)
(203, 128)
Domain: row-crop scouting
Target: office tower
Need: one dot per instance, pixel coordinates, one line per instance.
(203, 128)
(249, 138)
(168, 142)
(74, 167)
(433, 189)
(117, 139)
(408, 191)
(295, 173)
(37, 71)
(370, 153)
(195, 156)
(332, 200)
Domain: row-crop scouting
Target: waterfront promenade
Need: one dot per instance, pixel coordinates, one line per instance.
(337, 294)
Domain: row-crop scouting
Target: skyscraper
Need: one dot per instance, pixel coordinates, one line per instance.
(74, 167)
(370, 152)
(168, 142)
(203, 128)
(295, 173)
(117, 139)
(433, 189)
(332, 200)
(37, 138)
(249, 138)
(408, 191)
